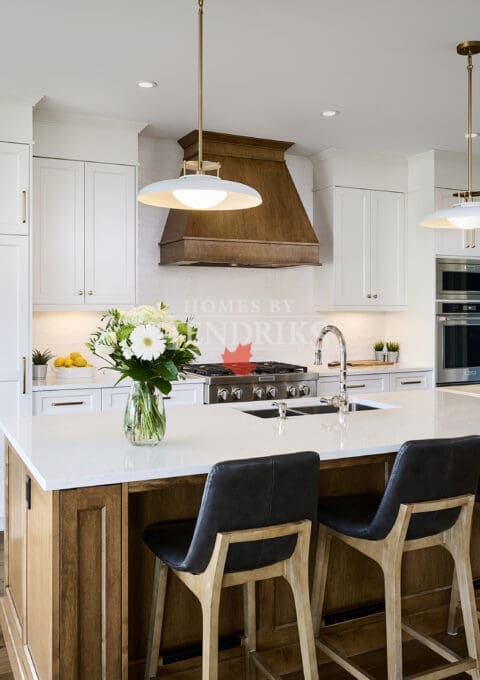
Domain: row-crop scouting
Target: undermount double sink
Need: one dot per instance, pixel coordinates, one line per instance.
(316, 409)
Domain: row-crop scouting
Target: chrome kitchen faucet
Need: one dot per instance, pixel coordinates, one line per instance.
(339, 400)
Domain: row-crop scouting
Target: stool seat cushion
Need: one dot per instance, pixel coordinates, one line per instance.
(170, 541)
(349, 515)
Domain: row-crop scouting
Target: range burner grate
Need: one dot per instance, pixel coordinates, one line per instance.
(247, 368)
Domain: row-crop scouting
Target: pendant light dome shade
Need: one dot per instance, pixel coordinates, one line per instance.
(459, 216)
(200, 192)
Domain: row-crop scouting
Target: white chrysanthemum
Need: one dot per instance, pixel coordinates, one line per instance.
(148, 342)
(126, 349)
(103, 350)
(170, 329)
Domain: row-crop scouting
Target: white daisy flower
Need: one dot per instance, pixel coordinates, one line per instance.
(126, 349)
(148, 342)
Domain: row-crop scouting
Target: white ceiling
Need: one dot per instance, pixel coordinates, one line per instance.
(271, 66)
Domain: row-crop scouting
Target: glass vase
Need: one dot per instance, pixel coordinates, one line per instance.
(145, 421)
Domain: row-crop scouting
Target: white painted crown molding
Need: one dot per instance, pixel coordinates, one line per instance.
(63, 118)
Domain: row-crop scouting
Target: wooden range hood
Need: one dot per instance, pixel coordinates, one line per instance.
(277, 233)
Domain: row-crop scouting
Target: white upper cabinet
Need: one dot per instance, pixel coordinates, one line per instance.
(84, 234)
(14, 185)
(456, 242)
(109, 234)
(368, 248)
(14, 339)
(58, 232)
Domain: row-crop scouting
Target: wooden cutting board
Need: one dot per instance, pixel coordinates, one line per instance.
(361, 363)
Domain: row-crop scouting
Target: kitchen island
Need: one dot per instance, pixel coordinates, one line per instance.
(78, 578)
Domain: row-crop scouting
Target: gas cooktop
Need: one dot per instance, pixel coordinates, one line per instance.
(245, 368)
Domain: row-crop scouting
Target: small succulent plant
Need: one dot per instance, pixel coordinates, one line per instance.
(378, 346)
(41, 358)
(393, 346)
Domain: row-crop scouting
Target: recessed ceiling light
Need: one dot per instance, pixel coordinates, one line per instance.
(147, 84)
(330, 113)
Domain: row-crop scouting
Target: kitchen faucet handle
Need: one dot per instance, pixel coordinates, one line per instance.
(282, 408)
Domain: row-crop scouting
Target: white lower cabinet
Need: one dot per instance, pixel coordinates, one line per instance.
(415, 380)
(106, 398)
(380, 382)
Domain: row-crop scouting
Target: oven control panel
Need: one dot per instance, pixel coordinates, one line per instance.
(218, 393)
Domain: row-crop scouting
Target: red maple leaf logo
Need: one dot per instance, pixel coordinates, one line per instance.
(238, 361)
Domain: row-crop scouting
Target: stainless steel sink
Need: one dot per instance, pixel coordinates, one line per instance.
(317, 409)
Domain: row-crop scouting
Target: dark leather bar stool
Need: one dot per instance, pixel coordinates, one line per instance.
(254, 523)
(428, 501)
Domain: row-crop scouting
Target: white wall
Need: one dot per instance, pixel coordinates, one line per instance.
(273, 308)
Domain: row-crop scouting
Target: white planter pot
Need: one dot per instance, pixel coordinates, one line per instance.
(392, 356)
(39, 371)
(379, 356)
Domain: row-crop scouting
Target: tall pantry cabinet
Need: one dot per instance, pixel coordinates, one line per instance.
(15, 311)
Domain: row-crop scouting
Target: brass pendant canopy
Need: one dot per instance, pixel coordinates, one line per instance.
(464, 215)
(200, 191)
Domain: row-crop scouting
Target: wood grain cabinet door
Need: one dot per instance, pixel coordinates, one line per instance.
(91, 583)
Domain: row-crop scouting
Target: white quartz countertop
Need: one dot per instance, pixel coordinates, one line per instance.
(90, 449)
(109, 379)
(324, 371)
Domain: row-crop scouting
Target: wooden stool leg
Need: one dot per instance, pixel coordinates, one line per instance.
(296, 573)
(156, 619)
(210, 601)
(452, 628)
(393, 618)
(250, 618)
(320, 574)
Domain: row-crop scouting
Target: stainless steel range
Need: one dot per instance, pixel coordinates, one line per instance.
(251, 381)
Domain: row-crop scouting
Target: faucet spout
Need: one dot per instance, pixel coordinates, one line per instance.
(342, 398)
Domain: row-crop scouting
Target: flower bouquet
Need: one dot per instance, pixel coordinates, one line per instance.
(150, 346)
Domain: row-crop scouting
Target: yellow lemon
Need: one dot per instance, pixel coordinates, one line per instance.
(80, 362)
(90, 365)
(68, 363)
(59, 361)
(74, 355)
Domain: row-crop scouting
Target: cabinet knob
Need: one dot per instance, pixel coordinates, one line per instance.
(80, 292)
(90, 292)
(375, 296)
(369, 296)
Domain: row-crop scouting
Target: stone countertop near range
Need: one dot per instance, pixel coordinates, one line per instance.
(100, 380)
(324, 371)
(92, 449)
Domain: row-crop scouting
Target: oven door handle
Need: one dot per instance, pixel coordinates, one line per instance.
(459, 321)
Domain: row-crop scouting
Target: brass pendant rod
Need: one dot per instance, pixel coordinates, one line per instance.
(469, 131)
(200, 87)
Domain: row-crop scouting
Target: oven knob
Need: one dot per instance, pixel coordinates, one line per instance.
(292, 391)
(237, 393)
(258, 393)
(222, 394)
(305, 390)
(271, 391)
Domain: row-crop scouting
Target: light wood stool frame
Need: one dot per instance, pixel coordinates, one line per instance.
(207, 588)
(388, 554)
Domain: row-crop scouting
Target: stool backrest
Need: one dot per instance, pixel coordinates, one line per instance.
(253, 493)
(428, 470)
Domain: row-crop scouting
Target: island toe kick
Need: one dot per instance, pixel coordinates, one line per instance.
(78, 583)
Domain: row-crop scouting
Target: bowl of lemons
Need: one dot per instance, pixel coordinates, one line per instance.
(72, 367)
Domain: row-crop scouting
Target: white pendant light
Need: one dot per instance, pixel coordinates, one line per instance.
(461, 215)
(200, 191)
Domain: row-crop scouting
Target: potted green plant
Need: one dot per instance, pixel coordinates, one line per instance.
(392, 351)
(40, 360)
(379, 349)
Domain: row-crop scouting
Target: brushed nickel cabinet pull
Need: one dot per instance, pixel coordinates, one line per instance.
(375, 296)
(24, 371)
(410, 382)
(90, 292)
(24, 206)
(80, 292)
(67, 403)
(369, 296)
(354, 387)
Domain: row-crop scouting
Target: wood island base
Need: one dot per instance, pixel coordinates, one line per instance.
(78, 582)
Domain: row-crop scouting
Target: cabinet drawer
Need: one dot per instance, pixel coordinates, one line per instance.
(378, 383)
(114, 398)
(410, 381)
(66, 401)
(186, 394)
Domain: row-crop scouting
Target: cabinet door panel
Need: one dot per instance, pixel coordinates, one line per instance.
(14, 183)
(388, 248)
(14, 340)
(458, 242)
(58, 232)
(16, 529)
(109, 234)
(352, 246)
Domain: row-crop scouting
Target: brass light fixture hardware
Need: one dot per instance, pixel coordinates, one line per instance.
(200, 191)
(466, 214)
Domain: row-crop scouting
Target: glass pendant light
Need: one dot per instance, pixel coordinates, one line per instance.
(200, 191)
(461, 215)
